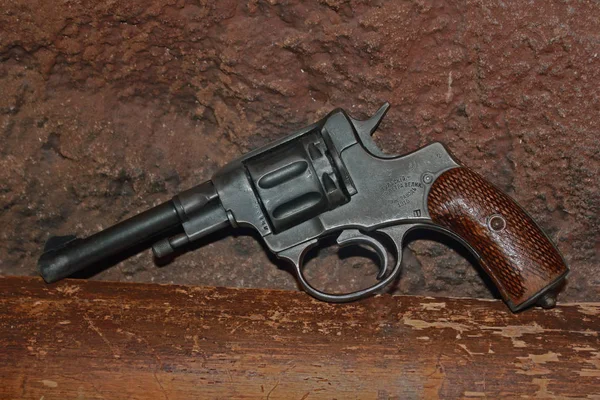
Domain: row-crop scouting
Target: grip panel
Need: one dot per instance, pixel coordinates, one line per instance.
(513, 250)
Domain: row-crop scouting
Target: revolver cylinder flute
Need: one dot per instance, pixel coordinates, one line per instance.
(331, 178)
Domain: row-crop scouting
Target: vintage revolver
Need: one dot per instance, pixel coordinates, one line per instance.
(331, 178)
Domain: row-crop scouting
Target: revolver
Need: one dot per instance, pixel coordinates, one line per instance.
(331, 178)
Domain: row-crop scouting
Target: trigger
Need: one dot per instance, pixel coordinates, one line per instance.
(365, 130)
(354, 236)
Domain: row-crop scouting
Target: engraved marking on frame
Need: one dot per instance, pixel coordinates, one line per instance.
(402, 189)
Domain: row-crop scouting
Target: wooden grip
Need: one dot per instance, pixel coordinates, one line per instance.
(512, 249)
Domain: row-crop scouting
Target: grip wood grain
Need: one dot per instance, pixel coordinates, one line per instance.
(512, 249)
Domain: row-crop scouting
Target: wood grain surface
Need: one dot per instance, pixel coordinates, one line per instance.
(99, 340)
(514, 251)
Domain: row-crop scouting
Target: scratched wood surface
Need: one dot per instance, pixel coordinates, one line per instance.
(99, 340)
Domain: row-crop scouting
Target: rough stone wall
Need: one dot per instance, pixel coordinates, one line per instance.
(110, 107)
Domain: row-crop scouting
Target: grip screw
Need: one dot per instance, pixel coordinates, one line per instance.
(427, 178)
(496, 222)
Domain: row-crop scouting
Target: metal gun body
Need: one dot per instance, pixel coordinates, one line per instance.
(327, 178)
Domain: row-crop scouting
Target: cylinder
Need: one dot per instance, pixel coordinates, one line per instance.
(74, 256)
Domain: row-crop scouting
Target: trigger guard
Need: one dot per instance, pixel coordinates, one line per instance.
(296, 256)
(354, 236)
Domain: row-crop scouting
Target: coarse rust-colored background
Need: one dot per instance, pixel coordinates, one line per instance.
(110, 107)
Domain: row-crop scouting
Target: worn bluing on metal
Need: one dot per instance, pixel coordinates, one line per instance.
(327, 178)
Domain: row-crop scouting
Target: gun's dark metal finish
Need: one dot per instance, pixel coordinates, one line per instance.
(327, 178)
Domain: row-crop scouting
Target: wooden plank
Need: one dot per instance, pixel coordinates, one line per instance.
(98, 340)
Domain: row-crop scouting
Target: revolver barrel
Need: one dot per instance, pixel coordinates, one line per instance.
(187, 217)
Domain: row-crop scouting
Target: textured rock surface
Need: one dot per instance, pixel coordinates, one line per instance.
(108, 108)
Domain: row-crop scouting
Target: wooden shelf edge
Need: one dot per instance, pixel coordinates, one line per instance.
(97, 339)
